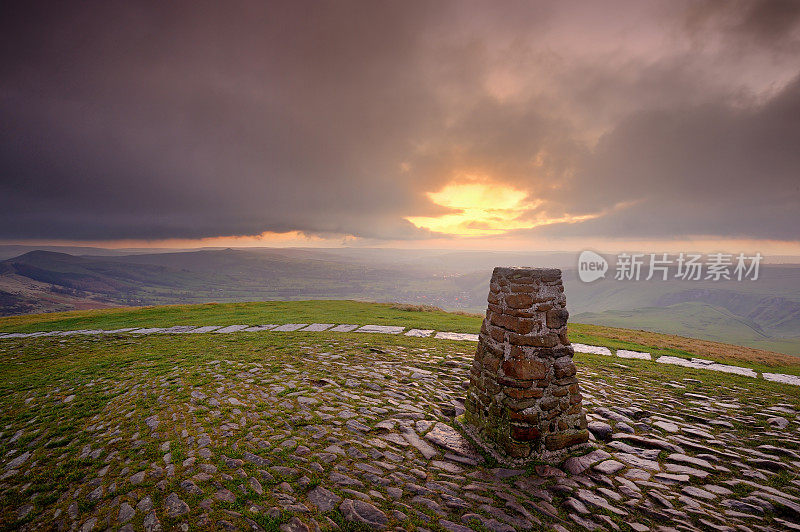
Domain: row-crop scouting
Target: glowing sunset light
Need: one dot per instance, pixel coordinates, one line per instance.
(486, 209)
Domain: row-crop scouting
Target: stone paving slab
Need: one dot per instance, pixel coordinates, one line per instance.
(469, 337)
(738, 370)
(420, 333)
(677, 361)
(591, 349)
(205, 329)
(78, 331)
(640, 355)
(289, 327)
(696, 363)
(149, 330)
(260, 328)
(779, 377)
(384, 329)
(231, 329)
(318, 327)
(179, 329)
(345, 328)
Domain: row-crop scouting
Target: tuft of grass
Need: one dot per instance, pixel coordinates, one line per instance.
(415, 308)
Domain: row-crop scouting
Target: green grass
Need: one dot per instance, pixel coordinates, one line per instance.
(319, 311)
(356, 312)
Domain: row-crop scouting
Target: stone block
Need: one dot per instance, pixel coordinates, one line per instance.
(525, 369)
(557, 318)
(525, 432)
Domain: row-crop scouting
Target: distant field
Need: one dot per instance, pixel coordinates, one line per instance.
(385, 314)
(696, 319)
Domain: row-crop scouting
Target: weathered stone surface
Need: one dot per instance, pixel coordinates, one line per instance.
(363, 513)
(419, 333)
(231, 329)
(385, 329)
(524, 369)
(174, 506)
(608, 467)
(14, 463)
(563, 440)
(523, 401)
(324, 500)
(446, 436)
(126, 512)
(576, 465)
(602, 431)
(288, 327)
(625, 353)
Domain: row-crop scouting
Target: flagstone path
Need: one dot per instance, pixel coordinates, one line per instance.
(694, 363)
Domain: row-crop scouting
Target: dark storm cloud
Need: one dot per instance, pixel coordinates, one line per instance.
(186, 120)
(706, 170)
(123, 121)
(764, 21)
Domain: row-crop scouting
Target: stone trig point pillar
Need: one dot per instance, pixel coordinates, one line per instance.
(523, 402)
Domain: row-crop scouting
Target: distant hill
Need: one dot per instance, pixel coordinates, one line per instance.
(45, 281)
(764, 314)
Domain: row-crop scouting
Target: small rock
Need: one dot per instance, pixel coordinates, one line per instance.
(602, 431)
(225, 495)
(363, 513)
(175, 506)
(294, 525)
(18, 461)
(323, 499)
(608, 467)
(126, 512)
(151, 422)
(151, 523)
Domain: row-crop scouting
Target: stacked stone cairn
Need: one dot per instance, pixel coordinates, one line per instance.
(524, 402)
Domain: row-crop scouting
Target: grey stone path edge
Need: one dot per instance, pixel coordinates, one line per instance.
(694, 363)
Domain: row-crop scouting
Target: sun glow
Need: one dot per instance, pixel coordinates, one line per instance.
(486, 209)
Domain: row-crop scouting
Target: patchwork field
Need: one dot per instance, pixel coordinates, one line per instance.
(297, 431)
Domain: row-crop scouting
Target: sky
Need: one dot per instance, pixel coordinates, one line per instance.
(657, 126)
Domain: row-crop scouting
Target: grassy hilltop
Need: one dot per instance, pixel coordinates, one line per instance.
(269, 430)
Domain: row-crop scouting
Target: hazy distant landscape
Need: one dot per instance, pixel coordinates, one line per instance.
(764, 314)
